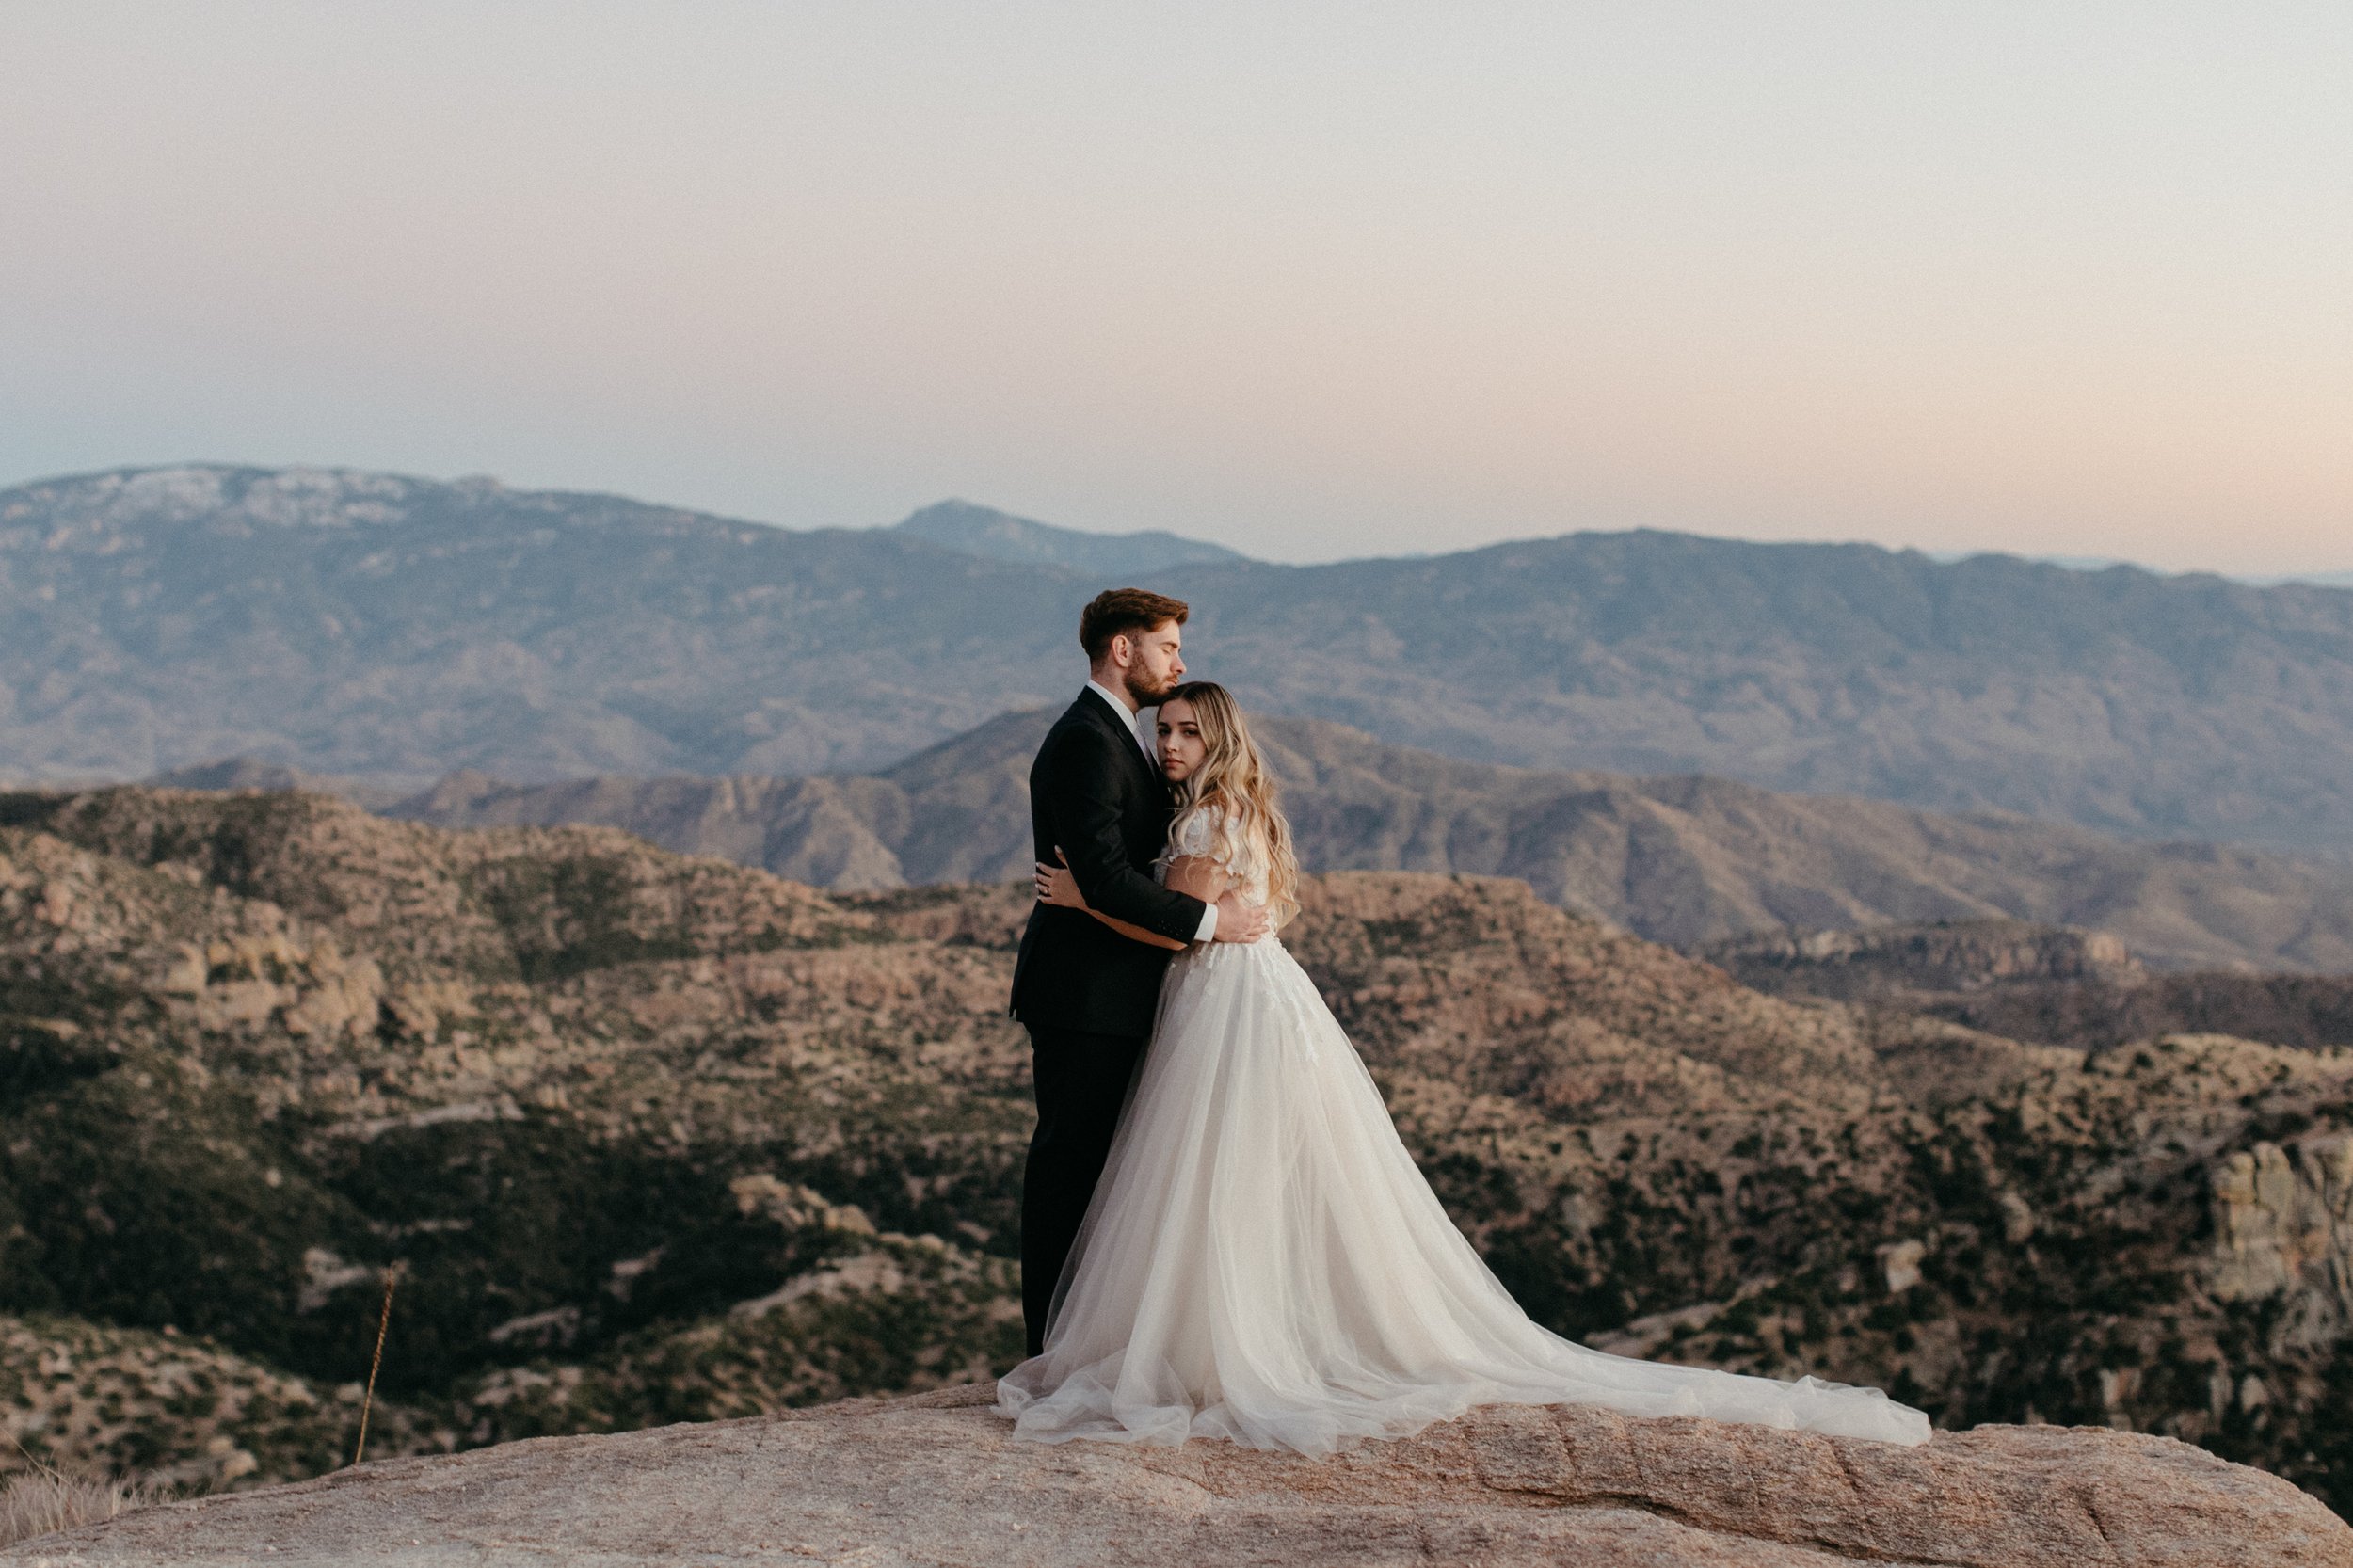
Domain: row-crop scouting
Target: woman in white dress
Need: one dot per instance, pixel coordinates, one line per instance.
(1263, 1261)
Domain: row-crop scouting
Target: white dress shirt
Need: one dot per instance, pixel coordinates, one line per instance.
(1133, 721)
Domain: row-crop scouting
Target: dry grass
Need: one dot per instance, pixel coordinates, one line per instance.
(43, 1501)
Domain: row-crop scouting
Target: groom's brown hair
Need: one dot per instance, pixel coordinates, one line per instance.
(1125, 610)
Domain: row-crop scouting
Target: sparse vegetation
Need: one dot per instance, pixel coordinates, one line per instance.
(41, 1501)
(657, 1138)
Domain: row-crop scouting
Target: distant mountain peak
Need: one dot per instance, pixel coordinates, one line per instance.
(995, 535)
(174, 493)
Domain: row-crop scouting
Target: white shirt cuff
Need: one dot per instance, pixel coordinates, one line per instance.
(1208, 926)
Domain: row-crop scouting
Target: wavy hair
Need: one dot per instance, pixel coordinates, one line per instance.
(1233, 776)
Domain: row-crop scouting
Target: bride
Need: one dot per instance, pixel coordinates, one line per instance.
(1263, 1261)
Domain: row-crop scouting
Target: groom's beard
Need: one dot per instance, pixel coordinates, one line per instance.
(1148, 688)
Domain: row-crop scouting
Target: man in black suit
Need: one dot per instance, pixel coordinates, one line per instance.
(1086, 993)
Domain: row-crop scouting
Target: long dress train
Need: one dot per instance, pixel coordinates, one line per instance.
(1262, 1260)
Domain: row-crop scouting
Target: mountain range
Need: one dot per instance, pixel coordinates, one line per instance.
(1677, 859)
(398, 629)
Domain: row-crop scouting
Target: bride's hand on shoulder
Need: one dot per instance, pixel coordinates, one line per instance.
(1056, 886)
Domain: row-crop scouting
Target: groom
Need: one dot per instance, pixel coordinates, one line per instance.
(1086, 993)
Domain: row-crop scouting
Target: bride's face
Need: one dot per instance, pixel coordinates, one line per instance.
(1181, 746)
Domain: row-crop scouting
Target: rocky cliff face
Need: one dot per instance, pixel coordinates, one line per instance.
(652, 1138)
(2284, 1232)
(936, 1479)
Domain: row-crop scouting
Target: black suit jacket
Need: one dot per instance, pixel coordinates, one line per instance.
(1093, 795)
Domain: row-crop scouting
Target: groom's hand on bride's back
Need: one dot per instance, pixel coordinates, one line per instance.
(1237, 921)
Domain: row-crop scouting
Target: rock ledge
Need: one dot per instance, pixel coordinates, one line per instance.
(936, 1479)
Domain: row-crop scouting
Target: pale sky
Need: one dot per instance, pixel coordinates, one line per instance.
(1311, 280)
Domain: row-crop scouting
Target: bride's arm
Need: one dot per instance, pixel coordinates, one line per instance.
(1199, 875)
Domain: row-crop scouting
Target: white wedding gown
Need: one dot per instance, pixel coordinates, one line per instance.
(1263, 1262)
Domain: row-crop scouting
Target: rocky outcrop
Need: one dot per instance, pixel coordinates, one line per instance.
(937, 1480)
(2283, 1228)
(1949, 955)
(2050, 984)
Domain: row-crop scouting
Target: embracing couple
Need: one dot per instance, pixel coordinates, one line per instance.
(1221, 1234)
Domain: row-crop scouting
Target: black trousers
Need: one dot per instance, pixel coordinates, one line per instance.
(1082, 1084)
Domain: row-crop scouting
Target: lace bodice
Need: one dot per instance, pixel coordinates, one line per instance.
(1206, 832)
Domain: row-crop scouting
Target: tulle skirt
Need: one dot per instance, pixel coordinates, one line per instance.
(1263, 1262)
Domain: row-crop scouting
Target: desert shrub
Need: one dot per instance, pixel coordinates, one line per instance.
(42, 1502)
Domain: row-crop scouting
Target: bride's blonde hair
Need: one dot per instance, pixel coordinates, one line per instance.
(1234, 779)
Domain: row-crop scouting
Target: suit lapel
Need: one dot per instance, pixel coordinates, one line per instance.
(1151, 773)
(1104, 716)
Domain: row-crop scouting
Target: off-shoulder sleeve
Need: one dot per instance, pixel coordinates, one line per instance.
(1195, 834)
(1209, 834)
